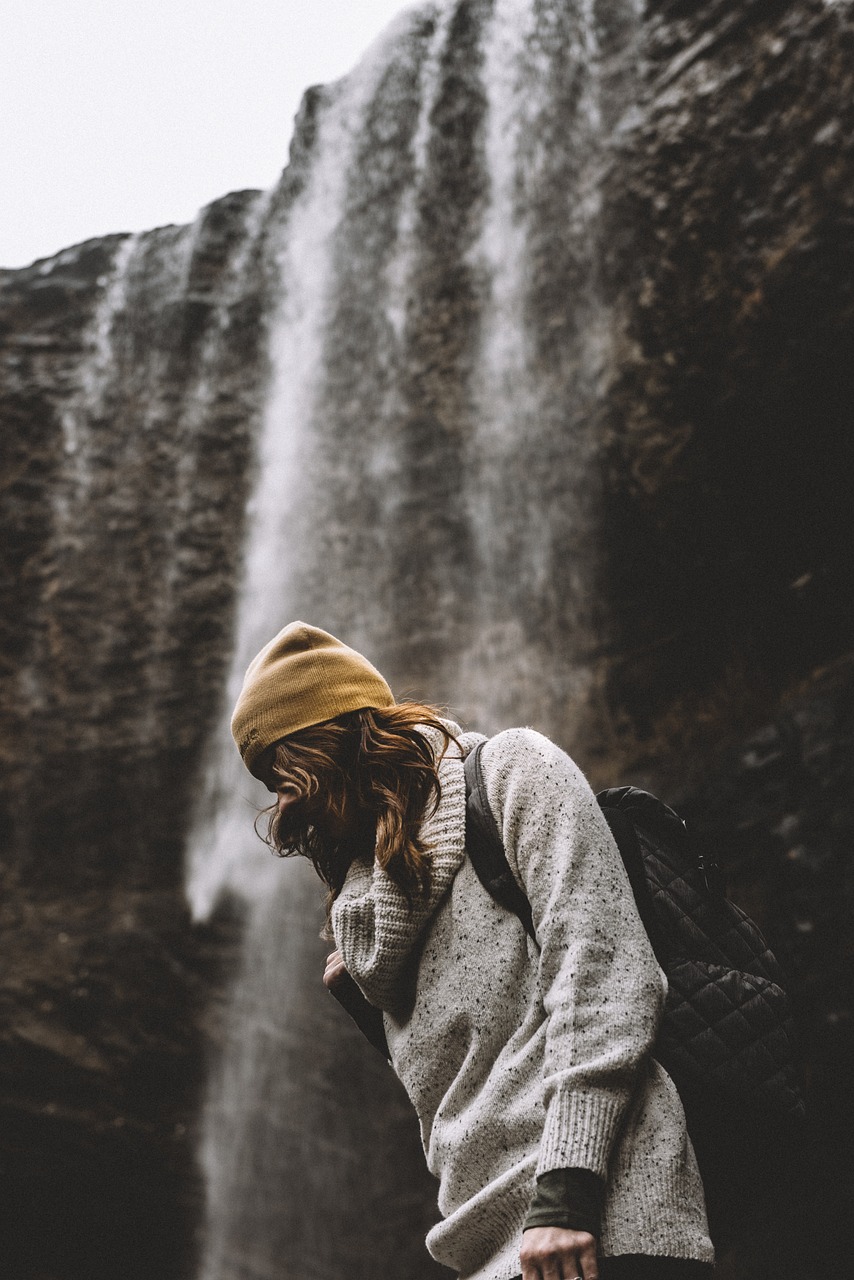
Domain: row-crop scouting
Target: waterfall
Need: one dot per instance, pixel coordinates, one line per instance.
(149, 389)
(101, 464)
(427, 481)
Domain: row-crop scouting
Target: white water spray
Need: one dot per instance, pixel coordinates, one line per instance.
(224, 851)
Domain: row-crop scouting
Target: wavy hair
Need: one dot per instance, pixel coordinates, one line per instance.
(362, 785)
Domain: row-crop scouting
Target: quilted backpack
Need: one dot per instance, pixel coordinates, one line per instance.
(727, 1037)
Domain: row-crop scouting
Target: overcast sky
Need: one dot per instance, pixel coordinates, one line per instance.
(120, 115)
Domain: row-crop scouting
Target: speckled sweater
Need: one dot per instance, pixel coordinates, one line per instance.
(521, 1057)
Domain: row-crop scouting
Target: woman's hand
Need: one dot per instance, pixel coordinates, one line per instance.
(334, 970)
(552, 1253)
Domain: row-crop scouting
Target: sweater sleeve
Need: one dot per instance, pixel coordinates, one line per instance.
(601, 988)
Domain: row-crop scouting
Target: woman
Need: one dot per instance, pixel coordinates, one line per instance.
(559, 1143)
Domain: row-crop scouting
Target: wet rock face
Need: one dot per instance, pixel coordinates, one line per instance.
(107, 1000)
(735, 288)
(121, 535)
(125, 501)
(571, 432)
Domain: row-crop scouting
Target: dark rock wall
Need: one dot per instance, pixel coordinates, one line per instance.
(676, 500)
(728, 517)
(117, 585)
(730, 213)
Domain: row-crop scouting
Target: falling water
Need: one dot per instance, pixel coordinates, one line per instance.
(276, 1036)
(427, 481)
(77, 419)
(203, 389)
(101, 464)
(77, 416)
(136, 425)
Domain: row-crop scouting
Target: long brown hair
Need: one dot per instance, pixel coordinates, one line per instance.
(363, 784)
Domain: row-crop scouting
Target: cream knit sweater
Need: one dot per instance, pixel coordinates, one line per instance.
(520, 1058)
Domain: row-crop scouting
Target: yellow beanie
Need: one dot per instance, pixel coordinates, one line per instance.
(302, 677)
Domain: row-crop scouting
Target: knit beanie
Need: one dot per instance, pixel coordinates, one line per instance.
(302, 677)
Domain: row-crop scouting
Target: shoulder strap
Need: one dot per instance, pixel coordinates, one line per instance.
(486, 851)
(486, 848)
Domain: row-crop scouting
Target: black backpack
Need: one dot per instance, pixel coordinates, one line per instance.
(727, 1036)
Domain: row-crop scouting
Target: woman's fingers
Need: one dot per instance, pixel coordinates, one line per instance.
(588, 1259)
(530, 1271)
(334, 969)
(553, 1253)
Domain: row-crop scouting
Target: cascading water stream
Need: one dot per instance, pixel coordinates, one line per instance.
(95, 453)
(222, 854)
(427, 470)
(85, 406)
(268, 1051)
(198, 401)
(139, 423)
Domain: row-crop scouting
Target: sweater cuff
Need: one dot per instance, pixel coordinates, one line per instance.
(579, 1130)
(568, 1198)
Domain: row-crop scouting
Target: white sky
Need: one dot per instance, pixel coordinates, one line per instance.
(121, 115)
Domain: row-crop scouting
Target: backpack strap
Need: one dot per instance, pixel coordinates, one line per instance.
(486, 848)
(486, 851)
